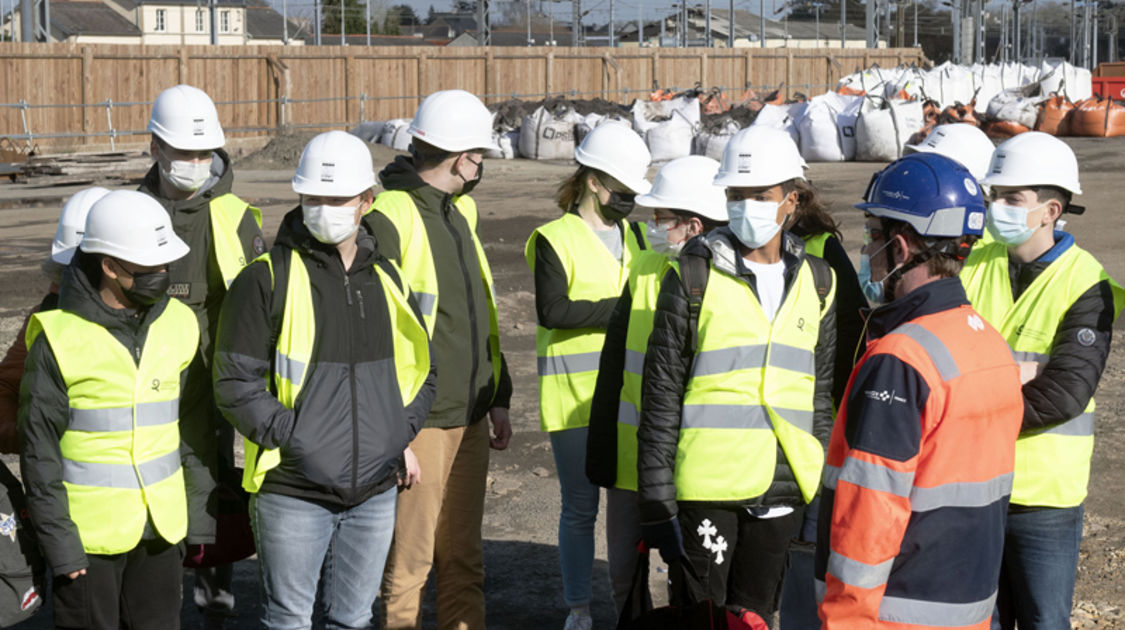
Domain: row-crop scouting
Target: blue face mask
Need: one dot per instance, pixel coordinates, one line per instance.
(1008, 224)
(874, 291)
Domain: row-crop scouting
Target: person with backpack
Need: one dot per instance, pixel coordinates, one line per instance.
(328, 325)
(99, 423)
(1056, 306)
(737, 389)
(919, 467)
(581, 262)
(685, 203)
(72, 221)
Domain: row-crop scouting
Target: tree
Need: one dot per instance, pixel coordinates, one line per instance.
(397, 16)
(464, 6)
(355, 14)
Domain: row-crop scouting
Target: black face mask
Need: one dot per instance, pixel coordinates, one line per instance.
(148, 287)
(470, 184)
(619, 205)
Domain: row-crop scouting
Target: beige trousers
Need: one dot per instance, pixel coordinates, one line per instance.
(438, 525)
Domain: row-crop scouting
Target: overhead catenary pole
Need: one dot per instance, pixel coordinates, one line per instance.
(367, 13)
(575, 22)
(214, 9)
(343, 29)
(730, 25)
(316, 20)
(1094, 30)
(529, 22)
(762, 17)
(707, 35)
(640, 25)
(1073, 32)
(957, 28)
(869, 23)
(285, 22)
(843, 23)
(27, 21)
(612, 24)
(915, 23)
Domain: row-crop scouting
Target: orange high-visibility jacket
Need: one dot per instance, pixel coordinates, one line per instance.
(919, 470)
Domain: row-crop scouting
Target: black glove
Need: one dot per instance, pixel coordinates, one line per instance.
(665, 536)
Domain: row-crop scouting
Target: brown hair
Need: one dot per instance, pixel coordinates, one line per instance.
(942, 263)
(708, 224)
(812, 215)
(427, 155)
(570, 190)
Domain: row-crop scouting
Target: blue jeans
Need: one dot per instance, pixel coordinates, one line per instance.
(579, 512)
(1040, 564)
(301, 542)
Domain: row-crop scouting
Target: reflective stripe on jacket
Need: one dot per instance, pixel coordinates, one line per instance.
(296, 342)
(121, 449)
(1052, 466)
(568, 357)
(918, 472)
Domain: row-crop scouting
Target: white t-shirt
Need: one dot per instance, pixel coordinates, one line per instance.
(770, 280)
(612, 240)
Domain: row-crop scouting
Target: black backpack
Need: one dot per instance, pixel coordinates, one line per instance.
(22, 571)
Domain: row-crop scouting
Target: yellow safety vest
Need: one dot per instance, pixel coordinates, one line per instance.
(418, 261)
(226, 215)
(297, 339)
(1052, 466)
(121, 448)
(568, 357)
(751, 387)
(814, 244)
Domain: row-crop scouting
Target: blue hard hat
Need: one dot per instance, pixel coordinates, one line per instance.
(936, 195)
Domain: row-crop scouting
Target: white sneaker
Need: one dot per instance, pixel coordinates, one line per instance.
(579, 619)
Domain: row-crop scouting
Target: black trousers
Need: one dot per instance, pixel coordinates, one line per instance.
(137, 590)
(736, 560)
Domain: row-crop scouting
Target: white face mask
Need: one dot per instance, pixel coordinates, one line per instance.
(186, 176)
(658, 240)
(1008, 224)
(753, 222)
(330, 225)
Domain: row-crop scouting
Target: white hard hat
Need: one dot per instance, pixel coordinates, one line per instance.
(962, 142)
(185, 118)
(1031, 159)
(616, 150)
(133, 227)
(687, 184)
(334, 164)
(760, 156)
(72, 223)
(453, 120)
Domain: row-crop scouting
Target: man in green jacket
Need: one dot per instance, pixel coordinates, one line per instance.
(426, 222)
(192, 178)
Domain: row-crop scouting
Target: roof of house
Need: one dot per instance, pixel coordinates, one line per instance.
(89, 18)
(747, 24)
(360, 39)
(199, 3)
(263, 22)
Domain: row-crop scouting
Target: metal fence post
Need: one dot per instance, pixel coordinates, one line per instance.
(23, 119)
(283, 120)
(109, 124)
(362, 103)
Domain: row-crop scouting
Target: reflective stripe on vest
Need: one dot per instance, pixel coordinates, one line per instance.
(568, 357)
(645, 275)
(121, 449)
(417, 262)
(226, 213)
(297, 338)
(1052, 466)
(814, 244)
(751, 388)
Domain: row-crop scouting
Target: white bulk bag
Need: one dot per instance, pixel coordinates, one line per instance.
(712, 143)
(882, 131)
(779, 117)
(827, 128)
(1013, 106)
(1066, 79)
(548, 136)
(369, 131)
(394, 134)
(670, 139)
(505, 143)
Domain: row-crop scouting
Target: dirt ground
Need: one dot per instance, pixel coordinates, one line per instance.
(523, 583)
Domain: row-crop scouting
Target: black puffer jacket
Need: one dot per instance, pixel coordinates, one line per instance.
(44, 415)
(667, 369)
(1063, 388)
(343, 442)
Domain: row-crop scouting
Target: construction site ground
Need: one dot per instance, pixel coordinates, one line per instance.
(523, 584)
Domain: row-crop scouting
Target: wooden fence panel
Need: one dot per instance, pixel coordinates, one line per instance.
(335, 87)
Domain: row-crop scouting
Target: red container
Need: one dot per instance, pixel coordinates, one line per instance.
(1110, 87)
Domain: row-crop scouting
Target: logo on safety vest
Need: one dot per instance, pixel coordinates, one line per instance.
(1087, 337)
(975, 322)
(884, 396)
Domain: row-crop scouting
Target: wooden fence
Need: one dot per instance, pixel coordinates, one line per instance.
(64, 94)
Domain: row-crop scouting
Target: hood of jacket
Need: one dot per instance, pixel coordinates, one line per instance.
(219, 184)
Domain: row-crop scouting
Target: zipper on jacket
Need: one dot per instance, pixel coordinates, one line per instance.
(351, 381)
(447, 209)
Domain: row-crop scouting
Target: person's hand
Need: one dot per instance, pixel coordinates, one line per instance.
(501, 428)
(665, 536)
(1028, 370)
(74, 574)
(413, 472)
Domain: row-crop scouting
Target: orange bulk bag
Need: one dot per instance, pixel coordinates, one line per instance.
(1003, 129)
(1054, 116)
(1098, 117)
